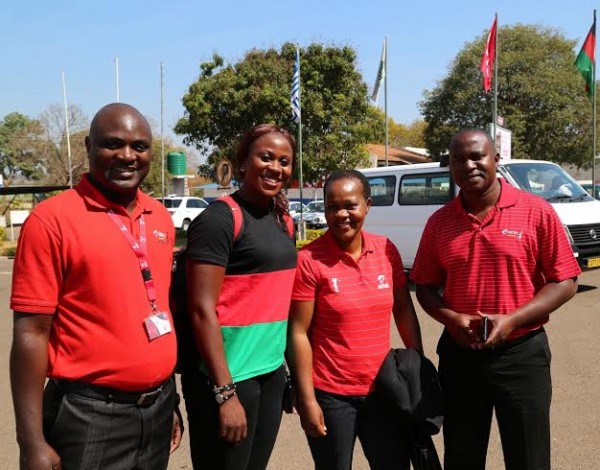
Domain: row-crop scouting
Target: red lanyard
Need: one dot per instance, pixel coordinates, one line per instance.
(140, 249)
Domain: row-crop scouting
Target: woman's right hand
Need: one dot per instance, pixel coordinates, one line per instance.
(232, 421)
(311, 418)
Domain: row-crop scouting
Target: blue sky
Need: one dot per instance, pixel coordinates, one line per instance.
(43, 38)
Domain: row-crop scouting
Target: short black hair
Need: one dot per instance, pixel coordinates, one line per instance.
(348, 175)
(474, 130)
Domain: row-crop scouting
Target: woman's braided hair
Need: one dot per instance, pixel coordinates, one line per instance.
(280, 202)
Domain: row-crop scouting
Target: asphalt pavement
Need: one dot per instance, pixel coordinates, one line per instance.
(573, 332)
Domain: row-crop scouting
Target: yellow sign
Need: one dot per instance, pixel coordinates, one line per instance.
(593, 262)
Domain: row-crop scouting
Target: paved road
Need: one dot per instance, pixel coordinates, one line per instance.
(573, 334)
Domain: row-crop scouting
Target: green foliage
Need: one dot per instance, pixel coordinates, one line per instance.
(311, 235)
(540, 94)
(22, 144)
(337, 118)
(2, 234)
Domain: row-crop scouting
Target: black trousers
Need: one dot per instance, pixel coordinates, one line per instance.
(384, 440)
(261, 398)
(90, 433)
(512, 380)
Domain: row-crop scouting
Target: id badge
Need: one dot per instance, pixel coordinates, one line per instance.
(157, 325)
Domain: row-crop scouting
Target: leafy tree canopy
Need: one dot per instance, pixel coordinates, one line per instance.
(337, 118)
(540, 94)
(22, 144)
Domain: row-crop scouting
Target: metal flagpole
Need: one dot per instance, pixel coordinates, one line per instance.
(64, 87)
(162, 133)
(594, 114)
(300, 174)
(495, 110)
(385, 106)
(117, 76)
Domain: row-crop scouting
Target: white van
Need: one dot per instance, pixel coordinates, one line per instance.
(404, 197)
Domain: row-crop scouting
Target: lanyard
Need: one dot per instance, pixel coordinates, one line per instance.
(140, 249)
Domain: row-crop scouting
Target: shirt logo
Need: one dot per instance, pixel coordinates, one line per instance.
(162, 237)
(516, 234)
(333, 282)
(382, 284)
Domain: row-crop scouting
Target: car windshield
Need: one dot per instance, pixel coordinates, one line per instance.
(546, 180)
(316, 206)
(171, 203)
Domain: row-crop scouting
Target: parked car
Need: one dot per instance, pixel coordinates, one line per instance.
(314, 215)
(183, 209)
(587, 185)
(294, 207)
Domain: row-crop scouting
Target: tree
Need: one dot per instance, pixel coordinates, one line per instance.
(540, 95)
(337, 118)
(56, 159)
(402, 135)
(22, 144)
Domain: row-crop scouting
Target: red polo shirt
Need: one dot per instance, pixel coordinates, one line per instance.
(350, 330)
(497, 264)
(74, 263)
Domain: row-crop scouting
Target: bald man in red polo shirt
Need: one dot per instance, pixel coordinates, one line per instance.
(500, 254)
(91, 312)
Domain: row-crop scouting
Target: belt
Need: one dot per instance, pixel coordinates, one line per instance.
(521, 339)
(109, 395)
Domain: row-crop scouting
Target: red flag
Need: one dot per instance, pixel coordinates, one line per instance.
(489, 57)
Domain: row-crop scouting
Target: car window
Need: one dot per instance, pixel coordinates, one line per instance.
(171, 203)
(382, 190)
(193, 203)
(425, 189)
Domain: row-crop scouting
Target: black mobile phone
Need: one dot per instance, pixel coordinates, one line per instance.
(485, 328)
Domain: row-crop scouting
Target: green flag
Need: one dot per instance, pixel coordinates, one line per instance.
(586, 60)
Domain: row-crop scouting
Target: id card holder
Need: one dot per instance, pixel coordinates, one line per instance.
(157, 325)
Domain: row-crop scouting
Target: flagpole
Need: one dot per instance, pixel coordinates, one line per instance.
(594, 116)
(64, 87)
(117, 76)
(495, 106)
(162, 134)
(299, 147)
(385, 93)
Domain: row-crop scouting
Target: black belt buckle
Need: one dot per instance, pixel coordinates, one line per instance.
(148, 399)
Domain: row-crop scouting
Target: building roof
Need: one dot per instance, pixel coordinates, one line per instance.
(396, 155)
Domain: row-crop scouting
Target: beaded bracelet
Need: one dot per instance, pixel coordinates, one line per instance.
(225, 388)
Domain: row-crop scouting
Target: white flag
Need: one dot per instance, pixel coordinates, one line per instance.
(380, 73)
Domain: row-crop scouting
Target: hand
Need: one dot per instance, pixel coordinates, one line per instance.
(464, 329)
(232, 421)
(178, 429)
(311, 418)
(499, 329)
(43, 457)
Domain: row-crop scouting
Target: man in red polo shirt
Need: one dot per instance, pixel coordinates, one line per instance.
(500, 254)
(90, 299)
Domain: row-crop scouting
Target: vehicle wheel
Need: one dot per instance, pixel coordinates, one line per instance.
(186, 224)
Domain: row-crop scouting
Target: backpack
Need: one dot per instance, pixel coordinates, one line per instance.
(187, 355)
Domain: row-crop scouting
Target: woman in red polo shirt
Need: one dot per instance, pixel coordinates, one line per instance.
(347, 284)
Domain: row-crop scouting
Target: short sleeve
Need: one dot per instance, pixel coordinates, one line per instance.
(427, 268)
(38, 268)
(555, 253)
(306, 280)
(210, 236)
(393, 255)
